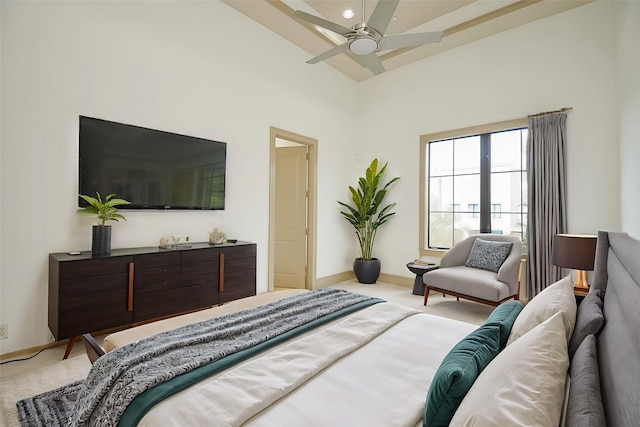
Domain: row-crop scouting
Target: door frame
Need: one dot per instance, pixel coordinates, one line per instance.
(312, 162)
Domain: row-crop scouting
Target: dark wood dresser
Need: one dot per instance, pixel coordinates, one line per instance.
(138, 285)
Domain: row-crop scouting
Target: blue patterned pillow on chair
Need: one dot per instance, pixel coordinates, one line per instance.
(488, 255)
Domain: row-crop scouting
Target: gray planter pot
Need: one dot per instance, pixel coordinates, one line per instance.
(367, 271)
(101, 240)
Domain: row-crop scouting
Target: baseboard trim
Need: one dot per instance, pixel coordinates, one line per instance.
(325, 282)
(406, 282)
(30, 350)
(334, 279)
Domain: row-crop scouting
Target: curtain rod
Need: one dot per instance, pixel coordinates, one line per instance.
(562, 110)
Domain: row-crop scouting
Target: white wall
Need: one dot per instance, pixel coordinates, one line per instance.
(627, 20)
(197, 68)
(566, 60)
(202, 69)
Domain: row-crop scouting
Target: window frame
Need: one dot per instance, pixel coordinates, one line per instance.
(450, 134)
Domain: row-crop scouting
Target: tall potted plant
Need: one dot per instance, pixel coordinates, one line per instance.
(367, 214)
(105, 209)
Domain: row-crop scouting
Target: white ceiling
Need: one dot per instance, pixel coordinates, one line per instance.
(463, 21)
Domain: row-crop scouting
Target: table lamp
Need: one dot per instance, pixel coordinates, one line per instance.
(577, 252)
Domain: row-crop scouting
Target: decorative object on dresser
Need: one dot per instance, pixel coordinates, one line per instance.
(136, 285)
(105, 209)
(575, 251)
(217, 237)
(366, 215)
(174, 242)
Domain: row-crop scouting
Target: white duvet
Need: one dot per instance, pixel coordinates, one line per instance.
(372, 368)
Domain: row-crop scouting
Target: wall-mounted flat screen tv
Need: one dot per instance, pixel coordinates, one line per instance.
(150, 168)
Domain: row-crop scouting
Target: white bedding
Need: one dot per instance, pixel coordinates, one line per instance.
(372, 368)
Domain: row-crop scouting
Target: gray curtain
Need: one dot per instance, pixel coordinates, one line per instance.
(547, 206)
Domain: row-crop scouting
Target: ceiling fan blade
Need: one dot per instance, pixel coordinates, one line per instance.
(408, 40)
(338, 29)
(382, 15)
(330, 53)
(370, 61)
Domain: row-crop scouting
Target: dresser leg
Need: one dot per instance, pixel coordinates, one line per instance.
(72, 341)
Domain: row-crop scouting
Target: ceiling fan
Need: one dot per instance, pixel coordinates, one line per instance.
(367, 38)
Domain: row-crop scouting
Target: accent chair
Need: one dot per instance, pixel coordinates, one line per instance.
(483, 268)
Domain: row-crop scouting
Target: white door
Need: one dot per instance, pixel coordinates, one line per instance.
(290, 238)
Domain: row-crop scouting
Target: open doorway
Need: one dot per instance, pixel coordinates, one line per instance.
(292, 207)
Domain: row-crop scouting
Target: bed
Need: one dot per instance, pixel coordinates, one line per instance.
(364, 361)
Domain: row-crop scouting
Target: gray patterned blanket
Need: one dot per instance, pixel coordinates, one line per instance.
(118, 377)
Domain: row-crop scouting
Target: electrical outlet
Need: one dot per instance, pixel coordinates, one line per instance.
(4, 332)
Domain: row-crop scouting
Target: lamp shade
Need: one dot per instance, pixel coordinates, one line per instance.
(574, 251)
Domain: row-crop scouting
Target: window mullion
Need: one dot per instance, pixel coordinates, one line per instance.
(485, 183)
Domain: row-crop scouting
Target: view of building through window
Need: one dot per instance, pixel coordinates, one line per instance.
(476, 184)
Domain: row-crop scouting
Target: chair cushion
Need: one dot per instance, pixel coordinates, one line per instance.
(468, 281)
(488, 255)
(589, 320)
(457, 373)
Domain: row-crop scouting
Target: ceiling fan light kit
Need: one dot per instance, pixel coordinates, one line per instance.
(367, 38)
(363, 46)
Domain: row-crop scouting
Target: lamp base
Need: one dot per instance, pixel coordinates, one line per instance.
(581, 281)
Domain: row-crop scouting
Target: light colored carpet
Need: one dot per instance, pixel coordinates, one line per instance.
(44, 372)
(47, 371)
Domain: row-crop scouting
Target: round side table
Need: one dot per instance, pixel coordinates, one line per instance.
(419, 270)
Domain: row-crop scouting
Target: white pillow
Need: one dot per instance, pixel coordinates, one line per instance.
(523, 385)
(558, 297)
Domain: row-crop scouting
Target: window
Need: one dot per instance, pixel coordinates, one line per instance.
(474, 208)
(482, 169)
(496, 209)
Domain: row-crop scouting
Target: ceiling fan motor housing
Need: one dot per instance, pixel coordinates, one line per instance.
(365, 40)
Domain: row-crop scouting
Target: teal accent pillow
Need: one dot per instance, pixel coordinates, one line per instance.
(504, 316)
(457, 373)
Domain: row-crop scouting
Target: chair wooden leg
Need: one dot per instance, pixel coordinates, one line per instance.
(458, 299)
(426, 295)
(443, 295)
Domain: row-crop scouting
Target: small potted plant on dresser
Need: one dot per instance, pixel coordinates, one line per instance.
(366, 215)
(105, 209)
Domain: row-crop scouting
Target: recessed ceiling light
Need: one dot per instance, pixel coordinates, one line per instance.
(348, 13)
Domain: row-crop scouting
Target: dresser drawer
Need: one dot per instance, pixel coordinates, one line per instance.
(208, 255)
(97, 305)
(238, 284)
(94, 267)
(160, 259)
(237, 264)
(173, 301)
(241, 251)
(83, 286)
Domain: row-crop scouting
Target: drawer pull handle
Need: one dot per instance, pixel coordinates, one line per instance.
(221, 271)
(130, 296)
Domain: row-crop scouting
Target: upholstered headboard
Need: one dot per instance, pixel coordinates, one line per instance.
(617, 274)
